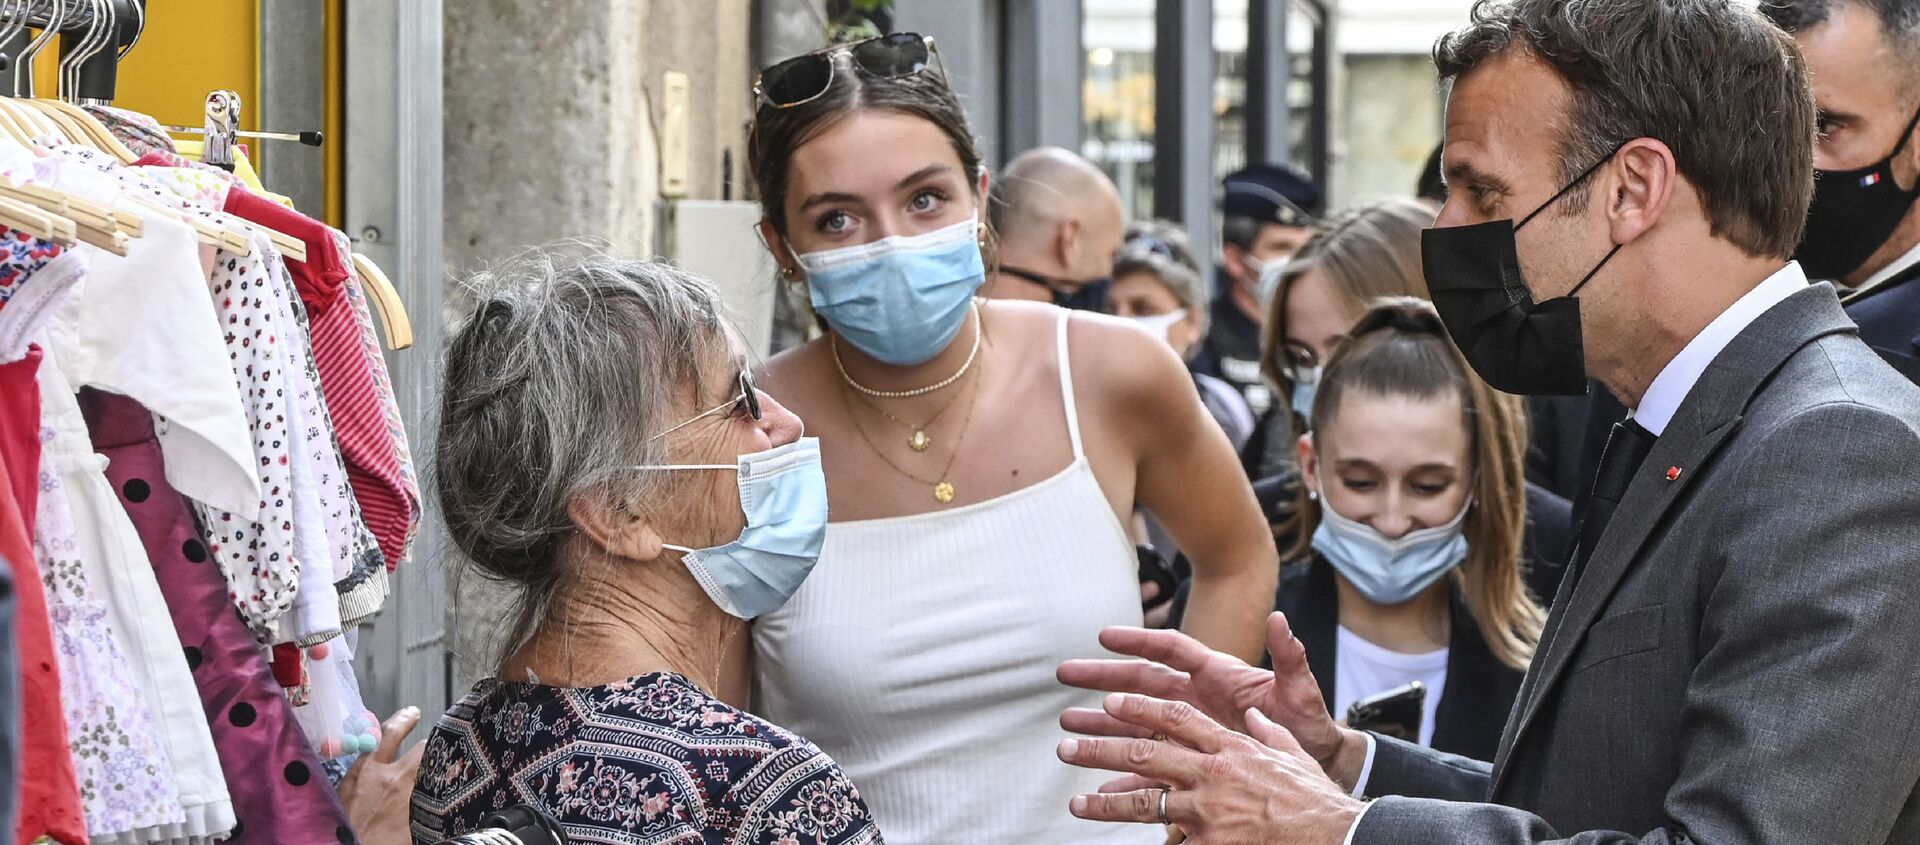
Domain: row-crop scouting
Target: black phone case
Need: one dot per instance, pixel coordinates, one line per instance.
(1397, 715)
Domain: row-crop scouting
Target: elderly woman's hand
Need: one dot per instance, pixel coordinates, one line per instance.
(1179, 668)
(378, 789)
(1220, 786)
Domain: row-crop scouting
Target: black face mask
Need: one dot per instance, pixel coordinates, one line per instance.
(1854, 212)
(1085, 296)
(1516, 344)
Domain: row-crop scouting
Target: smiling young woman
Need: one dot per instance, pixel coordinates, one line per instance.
(981, 458)
(1413, 510)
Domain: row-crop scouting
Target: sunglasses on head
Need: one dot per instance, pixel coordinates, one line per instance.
(802, 79)
(1151, 244)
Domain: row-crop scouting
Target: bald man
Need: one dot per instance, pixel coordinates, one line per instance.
(1059, 222)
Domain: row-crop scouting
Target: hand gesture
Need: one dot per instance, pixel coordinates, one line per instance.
(1220, 686)
(378, 789)
(1221, 787)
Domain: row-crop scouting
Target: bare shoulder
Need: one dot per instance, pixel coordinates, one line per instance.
(1101, 345)
(789, 364)
(1123, 359)
(796, 376)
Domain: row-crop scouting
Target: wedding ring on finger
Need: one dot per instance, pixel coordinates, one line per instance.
(1163, 806)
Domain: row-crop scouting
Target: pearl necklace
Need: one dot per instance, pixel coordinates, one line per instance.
(978, 330)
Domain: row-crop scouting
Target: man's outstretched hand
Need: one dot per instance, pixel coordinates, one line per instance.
(1224, 687)
(1220, 787)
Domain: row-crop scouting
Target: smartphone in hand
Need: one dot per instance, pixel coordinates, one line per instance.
(1396, 713)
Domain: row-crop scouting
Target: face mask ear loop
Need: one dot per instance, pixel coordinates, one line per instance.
(1908, 134)
(1596, 269)
(1571, 185)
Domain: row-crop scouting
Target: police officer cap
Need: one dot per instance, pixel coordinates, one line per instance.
(1271, 193)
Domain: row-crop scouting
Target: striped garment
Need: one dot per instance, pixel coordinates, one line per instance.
(353, 397)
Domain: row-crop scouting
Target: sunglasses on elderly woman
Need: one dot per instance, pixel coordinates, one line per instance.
(747, 401)
(802, 79)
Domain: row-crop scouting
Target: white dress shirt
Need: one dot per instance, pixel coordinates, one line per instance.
(1668, 390)
(1676, 380)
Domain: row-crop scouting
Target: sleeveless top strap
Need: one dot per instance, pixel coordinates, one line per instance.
(1066, 387)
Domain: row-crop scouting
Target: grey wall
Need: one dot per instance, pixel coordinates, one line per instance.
(393, 212)
(293, 99)
(553, 115)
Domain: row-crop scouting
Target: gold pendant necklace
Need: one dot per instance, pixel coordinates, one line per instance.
(943, 489)
(918, 440)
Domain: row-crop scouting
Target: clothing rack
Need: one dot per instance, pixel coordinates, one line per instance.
(77, 22)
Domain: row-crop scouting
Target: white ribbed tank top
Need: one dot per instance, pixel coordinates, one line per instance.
(920, 655)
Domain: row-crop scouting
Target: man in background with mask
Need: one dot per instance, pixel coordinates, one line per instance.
(1864, 227)
(1059, 222)
(1268, 215)
(1730, 655)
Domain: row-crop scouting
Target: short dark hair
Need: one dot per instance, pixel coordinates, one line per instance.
(1899, 20)
(1239, 230)
(1724, 90)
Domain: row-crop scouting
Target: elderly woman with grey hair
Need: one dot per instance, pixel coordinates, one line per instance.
(602, 449)
(1157, 284)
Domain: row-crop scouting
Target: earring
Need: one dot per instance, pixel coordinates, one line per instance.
(787, 273)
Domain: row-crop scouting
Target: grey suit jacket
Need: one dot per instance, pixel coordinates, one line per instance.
(1740, 662)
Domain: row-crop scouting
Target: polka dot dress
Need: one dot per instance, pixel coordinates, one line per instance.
(277, 797)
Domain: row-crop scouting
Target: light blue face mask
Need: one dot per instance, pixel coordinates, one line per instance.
(899, 299)
(1389, 571)
(783, 493)
(1305, 385)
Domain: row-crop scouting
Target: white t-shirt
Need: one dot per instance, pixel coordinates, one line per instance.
(1362, 669)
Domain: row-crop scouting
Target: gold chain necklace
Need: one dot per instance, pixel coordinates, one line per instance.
(943, 490)
(979, 329)
(919, 440)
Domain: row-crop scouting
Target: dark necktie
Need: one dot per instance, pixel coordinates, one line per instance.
(1627, 448)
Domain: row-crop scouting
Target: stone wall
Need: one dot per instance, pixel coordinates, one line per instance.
(552, 133)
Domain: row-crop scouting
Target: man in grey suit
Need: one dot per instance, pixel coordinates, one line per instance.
(1733, 655)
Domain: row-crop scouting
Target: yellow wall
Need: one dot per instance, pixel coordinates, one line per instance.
(186, 51)
(191, 48)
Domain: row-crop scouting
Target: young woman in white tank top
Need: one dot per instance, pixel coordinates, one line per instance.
(978, 458)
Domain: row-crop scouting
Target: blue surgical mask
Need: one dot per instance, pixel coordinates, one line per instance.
(1389, 571)
(899, 299)
(1306, 383)
(783, 493)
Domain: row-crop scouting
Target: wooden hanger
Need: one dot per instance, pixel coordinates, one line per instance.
(288, 245)
(204, 230)
(81, 209)
(22, 217)
(12, 127)
(36, 122)
(67, 131)
(386, 302)
(86, 126)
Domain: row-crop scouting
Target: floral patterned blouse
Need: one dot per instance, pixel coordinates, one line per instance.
(651, 760)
